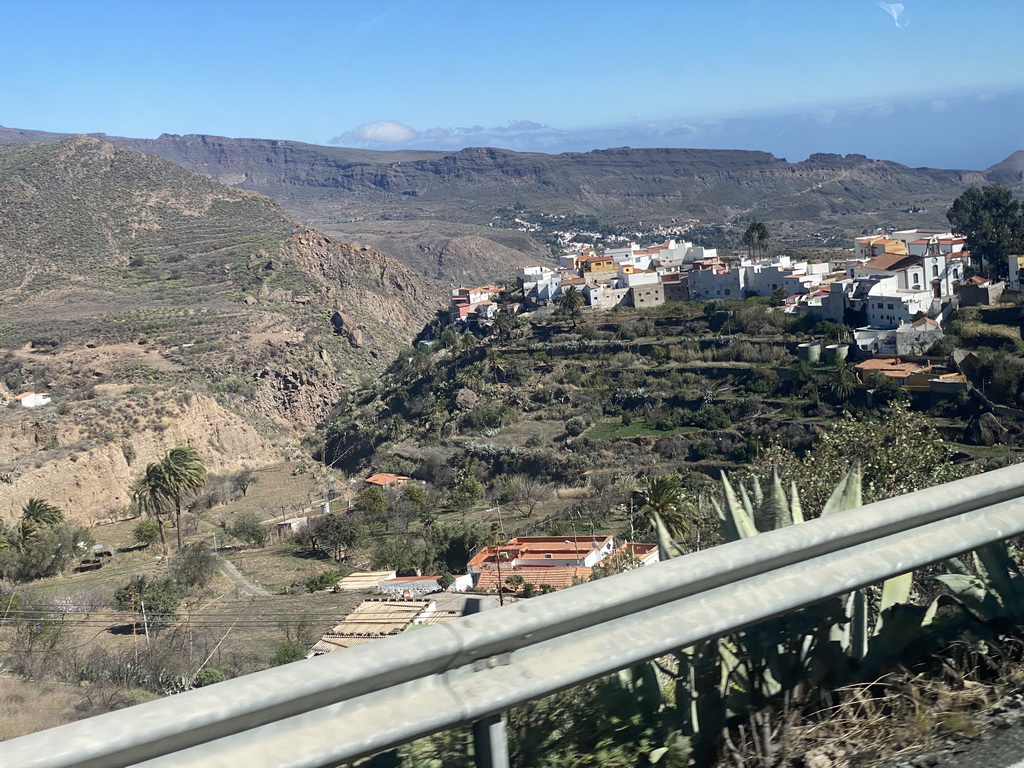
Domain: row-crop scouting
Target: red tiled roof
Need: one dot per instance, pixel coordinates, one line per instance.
(891, 262)
(539, 547)
(385, 478)
(558, 577)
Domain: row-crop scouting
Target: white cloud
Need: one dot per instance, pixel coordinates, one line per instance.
(524, 125)
(895, 10)
(379, 132)
(940, 105)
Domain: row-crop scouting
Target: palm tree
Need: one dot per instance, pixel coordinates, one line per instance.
(41, 512)
(36, 514)
(750, 238)
(763, 238)
(756, 235)
(503, 325)
(571, 300)
(844, 381)
(149, 494)
(663, 495)
(165, 483)
(186, 474)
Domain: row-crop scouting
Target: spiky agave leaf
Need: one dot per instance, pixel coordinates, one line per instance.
(667, 546)
(736, 523)
(795, 510)
(847, 493)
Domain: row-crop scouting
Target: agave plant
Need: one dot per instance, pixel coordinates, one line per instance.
(828, 643)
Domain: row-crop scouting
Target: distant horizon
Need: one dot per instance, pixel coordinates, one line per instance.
(450, 150)
(886, 80)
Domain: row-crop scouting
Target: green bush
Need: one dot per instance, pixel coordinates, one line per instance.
(160, 596)
(146, 532)
(324, 580)
(710, 417)
(288, 652)
(575, 426)
(248, 529)
(208, 676)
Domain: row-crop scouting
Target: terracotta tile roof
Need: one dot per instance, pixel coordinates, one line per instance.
(385, 478)
(540, 548)
(558, 577)
(891, 262)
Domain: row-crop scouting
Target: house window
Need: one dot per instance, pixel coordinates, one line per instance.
(935, 270)
(728, 292)
(890, 306)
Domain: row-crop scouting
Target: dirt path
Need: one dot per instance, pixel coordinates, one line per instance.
(245, 586)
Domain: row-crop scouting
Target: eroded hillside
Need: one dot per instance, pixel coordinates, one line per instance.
(122, 271)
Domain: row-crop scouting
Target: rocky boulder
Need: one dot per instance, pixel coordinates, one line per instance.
(986, 430)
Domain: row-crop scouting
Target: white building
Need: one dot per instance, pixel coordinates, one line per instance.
(1015, 267)
(32, 399)
(756, 278)
(541, 284)
(886, 308)
(935, 271)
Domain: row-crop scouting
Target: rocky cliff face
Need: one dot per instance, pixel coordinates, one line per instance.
(122, 272)
(85, 460)
(208, 280)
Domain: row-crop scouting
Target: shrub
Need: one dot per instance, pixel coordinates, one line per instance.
(710, 417)
(160, 596)
(208, 676)
(146, 532)
(194, 566)
(575, 426)
(324, 580)
(248, 529)
(466, 494)
(287, 652)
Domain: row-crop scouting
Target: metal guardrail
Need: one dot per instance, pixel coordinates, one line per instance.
(345, 705)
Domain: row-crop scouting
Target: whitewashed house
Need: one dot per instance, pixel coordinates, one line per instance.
(32, 399)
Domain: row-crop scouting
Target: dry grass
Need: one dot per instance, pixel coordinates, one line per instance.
(30, 706)
(886, 719)
(278, 566)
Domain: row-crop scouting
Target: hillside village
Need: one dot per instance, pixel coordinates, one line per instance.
(895, 290)
(459, 472)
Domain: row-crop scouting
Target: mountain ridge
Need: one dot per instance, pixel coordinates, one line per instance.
(419, 205)
(131, 247)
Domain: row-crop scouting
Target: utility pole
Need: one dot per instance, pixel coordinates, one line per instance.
(145, 621)
(497, 561)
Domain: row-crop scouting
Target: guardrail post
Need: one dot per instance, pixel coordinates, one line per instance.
(490, 740)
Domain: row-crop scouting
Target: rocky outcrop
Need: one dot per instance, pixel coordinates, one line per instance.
(986, 429)
(296, 397)
(345, 325)
(84, 461)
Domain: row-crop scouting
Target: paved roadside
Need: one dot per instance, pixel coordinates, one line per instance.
(999, 745)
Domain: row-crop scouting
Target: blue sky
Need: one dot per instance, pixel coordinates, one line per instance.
(925, 82)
